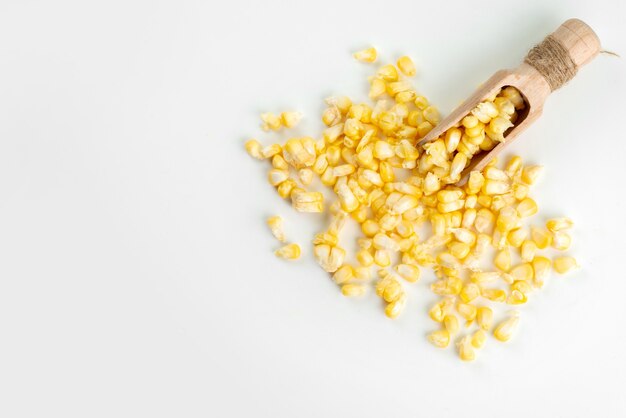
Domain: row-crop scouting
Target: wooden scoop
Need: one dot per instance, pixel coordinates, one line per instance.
(542, 72)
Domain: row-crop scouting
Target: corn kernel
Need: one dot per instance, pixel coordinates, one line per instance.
(451, 324)
(439, 311)
(558, 224)
(527, 207)
(353, 290)
(469, 292)
(528, 250)
(504, 331)
(495, 295)
(382, 258)
(466, 310)
(406, 65)
(479, 338)
(344, 274)
(288, 252)
(565, 264)
(439, 338)
(542, 238)
(541, 269)
(408, 272)
(466, 349)
(276, 226)
(503, 260)
(366, 55)
(270, 122)
(394, 309)
(561, 240)
(330, 258)
(484, 317)
(531, 173)
(253, 147)
(290, 119)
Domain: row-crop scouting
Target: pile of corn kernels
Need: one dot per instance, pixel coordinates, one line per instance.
(394, 189)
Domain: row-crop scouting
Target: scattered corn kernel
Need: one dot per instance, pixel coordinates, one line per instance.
(505, 329)
(366, 55)
(563, 265)
(288, 252)
(276, 226)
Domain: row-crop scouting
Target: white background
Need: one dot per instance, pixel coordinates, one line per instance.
(136, 272)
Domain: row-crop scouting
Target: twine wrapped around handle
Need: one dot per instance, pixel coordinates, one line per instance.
(559, 56)
(553, 62)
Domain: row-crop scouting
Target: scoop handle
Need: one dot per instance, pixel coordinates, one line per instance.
(559, 56)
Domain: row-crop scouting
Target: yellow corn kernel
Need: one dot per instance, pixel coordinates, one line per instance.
(431, 114)
(331, 116)
(382, 258)
(439, 311)
(423, 129)
(469, 292)
(344, 274)
(484, 221)
(466, 349)
(466, 310)
(325, 238)
(253, 147)
(408, 272)
(484, 200)
(353, 290)
(305, 175)
(388, 73)
(495, 295)
(307, 201)
(290, 119)
(522, 271)
(382, 241)
(527, 207)
(300, 152)
(285, 188)
(459, 249)
(330, 258)
(362, 273)
(366, 55)
(406, 65)
(531, 173)
(377, 88)
(505, 329)
(541, 269)
(469, 217)
(276, 226)
(513, 166)
(270, 122)
(503, 260)
(565, 264)
(561, 240)
(365, 258)
(447, 286)
(276, 176)
(522, 286)
(528, 250)
(542, 238)
(558, 224)
(271, 150)
(279, 162)
(484, 317)
(507, 220)
(516, 298)
(479, 338)
(288, 252)
(495, 187)
(520, 191)
(451, 324)
(439, 338)
(514, 96)
(516, 237)
(394, 309)
(370, 228)
(493, 173)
